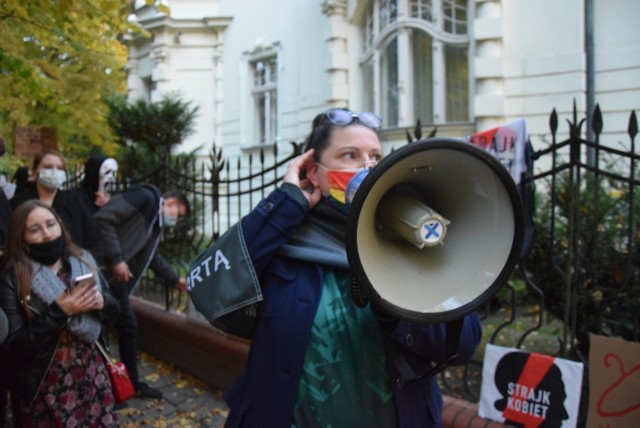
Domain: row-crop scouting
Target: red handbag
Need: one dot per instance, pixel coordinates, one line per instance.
(120, 382)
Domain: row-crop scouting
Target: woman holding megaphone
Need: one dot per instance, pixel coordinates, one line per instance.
(317, 358)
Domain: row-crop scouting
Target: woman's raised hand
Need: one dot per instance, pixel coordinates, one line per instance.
(298, 168)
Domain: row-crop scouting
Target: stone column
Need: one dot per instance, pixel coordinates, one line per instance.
(134, 82)
(159, 76)
(489, 102)
(336, 42)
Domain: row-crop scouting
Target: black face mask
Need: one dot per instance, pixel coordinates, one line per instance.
(47, 253)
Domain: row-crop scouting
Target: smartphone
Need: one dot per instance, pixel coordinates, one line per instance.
(83, 279)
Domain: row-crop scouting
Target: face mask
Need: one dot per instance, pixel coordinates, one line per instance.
(338, 181)
(47, 253)
(169, 220)
(52, 179)
(107, 173)
(343, 184)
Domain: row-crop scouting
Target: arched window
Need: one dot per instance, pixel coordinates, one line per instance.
(416, 61)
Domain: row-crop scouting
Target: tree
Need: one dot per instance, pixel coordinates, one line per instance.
(57, 62)
(148, 132)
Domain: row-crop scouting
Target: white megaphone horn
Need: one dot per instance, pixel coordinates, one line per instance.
(434, 230)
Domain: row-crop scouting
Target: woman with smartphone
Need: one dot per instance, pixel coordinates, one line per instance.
(56, 375)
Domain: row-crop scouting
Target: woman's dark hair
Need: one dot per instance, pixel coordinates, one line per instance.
(92, 174)
(15, 256)
(318, 139)
(178, 196)
(321, 129)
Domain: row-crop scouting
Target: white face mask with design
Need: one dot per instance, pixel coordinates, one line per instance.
(107, 173)
(51, 178)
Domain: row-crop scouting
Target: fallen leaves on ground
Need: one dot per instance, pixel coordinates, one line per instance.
(202, 416)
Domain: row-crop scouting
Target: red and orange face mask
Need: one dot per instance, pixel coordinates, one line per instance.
(338, 181)
(342, 181)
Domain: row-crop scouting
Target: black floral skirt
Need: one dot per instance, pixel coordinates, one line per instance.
(75, 391)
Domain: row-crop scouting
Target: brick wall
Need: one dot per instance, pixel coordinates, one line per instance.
(457, 413)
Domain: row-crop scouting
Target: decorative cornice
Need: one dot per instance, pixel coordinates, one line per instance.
(260, 48)
(334, 7)
(159, 54)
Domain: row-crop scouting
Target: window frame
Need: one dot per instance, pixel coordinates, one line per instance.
(266, 134)
(375, 40)
(250, 129)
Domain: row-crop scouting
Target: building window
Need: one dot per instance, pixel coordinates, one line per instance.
(265, 99)
(148, 86)
(415, 62)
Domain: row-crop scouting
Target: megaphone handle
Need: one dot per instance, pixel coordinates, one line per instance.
(408, 373)
(453, 331)
(360, 298)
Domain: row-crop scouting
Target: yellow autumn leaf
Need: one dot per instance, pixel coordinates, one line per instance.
(152, 377)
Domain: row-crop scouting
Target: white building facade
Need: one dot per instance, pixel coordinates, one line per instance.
(259, 71)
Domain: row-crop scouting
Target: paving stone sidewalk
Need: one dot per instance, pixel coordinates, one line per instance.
(187, 401)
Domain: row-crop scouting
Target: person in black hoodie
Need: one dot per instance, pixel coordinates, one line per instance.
(4, 331)
(131, 225)
(22, 179)
(99, 171)
(5, 217)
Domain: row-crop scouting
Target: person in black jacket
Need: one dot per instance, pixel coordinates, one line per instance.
(4, 331)
(22, 179)
(55, 373)
(131, 224)
(49, 169)
(4, 326)
(5, 217)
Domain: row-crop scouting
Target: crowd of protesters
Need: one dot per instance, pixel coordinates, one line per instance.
(52, 373)
(317, 358)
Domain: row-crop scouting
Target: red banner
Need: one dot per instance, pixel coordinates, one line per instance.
(507, 143)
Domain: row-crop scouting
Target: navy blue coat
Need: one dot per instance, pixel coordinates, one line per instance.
(265, 394)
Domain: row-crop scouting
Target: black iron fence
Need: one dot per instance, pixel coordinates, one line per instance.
(580, 276)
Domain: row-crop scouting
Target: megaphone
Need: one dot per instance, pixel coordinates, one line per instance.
(434, 230)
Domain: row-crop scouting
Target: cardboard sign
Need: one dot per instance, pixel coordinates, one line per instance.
(614, 383)
(529, 389)
(33, 139)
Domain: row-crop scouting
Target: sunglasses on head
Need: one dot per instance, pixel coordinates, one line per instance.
(343, 117)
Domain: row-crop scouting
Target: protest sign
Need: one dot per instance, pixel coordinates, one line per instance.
(614, 383)
(529, 389)
(33, 139)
